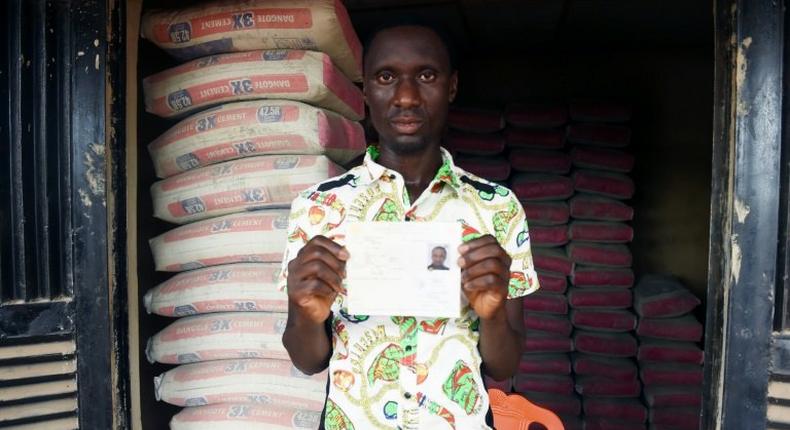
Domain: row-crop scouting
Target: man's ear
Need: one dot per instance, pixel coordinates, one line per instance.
(453, 85)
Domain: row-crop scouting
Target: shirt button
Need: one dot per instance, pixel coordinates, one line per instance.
(407, 395)
(408, 347)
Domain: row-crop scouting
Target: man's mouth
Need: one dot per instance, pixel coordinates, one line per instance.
(406, 125)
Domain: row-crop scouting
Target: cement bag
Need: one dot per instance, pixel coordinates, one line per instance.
(262, 127)
(269, 181)
(552, 364)
(599, 111)
(236, 416)
(269, 382)
(219, 336)
(232, 26)
(546, 213)
(493, 168)
(258, 236)
(536, 116)
(475, 144)
(475, 120)
(305, 76)
(245, 287)
(557, 403)
(534, 139)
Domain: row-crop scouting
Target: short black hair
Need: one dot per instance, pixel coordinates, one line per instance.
(410, 21)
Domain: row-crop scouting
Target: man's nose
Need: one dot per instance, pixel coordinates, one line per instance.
(407, 94)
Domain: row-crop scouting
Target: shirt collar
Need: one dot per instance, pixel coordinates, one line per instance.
(448, 172)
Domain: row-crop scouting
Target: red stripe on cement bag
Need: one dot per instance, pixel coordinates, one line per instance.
(661, 397)
(622, 409)
(614, 185)
(557, 403)
(602, 159)
(258, 236)
(601, 277)
(598, 423)
(596, 208)
(536, 116)
(670, 351)
(548, 213)
(663, 296)
(493, 169)
(620, 369)
(219, 336)
(593, 254)
(269, 382)
(475, 120)
(552, 364)
(232, 26)
(671, 374)
(236, 416)
(606, 344)
(599, 111)
(475, 144)
(246, 129)
(600, 298)
(597, 386)
(685, 418)
(557, 384)
(538, 342)
(245, 287)
(548, 235)
(526, 160)
(604, 320)
(305, 76)
(552, 260)
(540, 187)
(558, 324)
(546, 303)
(684, 328)
(613, 136)
(268, 181)
(604, 232)
(552, 283)
(534, 139)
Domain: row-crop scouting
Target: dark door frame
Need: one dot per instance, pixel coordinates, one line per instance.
(745, 207)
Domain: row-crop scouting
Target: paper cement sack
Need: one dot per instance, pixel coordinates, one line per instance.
(306, 76)
(244, 287)
(257, 236)
(268, 181)
(262, 127)
(235, 416)
(269, 382)
(219, 336)
(233, 25)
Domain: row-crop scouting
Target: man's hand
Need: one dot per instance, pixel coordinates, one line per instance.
(485, 275)
(315, 278)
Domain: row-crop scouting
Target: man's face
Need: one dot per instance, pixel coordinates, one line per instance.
(409, 85)
(438, 255)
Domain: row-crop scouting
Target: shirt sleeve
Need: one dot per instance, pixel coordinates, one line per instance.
(523, 277)
(299, 232)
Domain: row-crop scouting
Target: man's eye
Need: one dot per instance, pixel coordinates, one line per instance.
(427, 76)
(386, 77)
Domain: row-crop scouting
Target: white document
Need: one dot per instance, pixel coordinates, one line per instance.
(404, 269)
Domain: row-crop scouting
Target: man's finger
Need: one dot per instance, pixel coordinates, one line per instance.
(480, 268)
(335, 248)
(312, 253)
(315, 288)
(317, 269)
(476, 243)
(489, 281)
(490, 250)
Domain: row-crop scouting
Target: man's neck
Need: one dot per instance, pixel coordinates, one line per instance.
(418, 168)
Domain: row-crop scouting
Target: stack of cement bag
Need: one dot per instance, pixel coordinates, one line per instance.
(536, 142)
(267, 108)
(670, 359)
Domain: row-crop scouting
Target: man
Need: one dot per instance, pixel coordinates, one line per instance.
(405, 372)
(438, 257)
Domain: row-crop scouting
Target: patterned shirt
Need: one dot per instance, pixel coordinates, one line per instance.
(406, 372)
